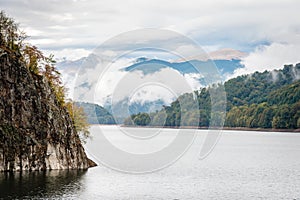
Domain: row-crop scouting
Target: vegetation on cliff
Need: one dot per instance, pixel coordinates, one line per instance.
(13, 41)
(38, 127)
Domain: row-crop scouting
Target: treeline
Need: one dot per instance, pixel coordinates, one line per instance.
(96, 114)
(280, 109)
(260, 100)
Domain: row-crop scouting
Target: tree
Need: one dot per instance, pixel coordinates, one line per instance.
(159, 119)
(128, 121)
(79, 119)
(11, 37)
(142, 119)
(12, 42)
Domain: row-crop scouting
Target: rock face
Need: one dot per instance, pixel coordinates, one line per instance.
(36, 132)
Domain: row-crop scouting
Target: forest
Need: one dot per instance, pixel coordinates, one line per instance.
(96, 114)
(270, 99)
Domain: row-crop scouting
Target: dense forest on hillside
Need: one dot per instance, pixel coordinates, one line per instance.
(96, 114)
(259, 100)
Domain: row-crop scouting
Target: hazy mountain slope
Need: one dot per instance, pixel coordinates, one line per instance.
(226, 61)
(225, 67)
(259, 100)
(96, 114)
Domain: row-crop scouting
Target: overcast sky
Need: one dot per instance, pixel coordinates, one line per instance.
(268, 30)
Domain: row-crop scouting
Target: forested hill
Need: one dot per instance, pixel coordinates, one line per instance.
(265, 100)
(259, 100)
(96, 114)
(255, 88)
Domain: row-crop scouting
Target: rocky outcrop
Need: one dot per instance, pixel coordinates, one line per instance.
(36, 132)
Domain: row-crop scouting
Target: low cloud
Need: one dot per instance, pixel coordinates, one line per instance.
(269, 57)
(103, 83)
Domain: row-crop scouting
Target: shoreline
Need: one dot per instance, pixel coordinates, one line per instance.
(206, 128)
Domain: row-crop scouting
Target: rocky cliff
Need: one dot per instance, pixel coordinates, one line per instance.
(36, 132)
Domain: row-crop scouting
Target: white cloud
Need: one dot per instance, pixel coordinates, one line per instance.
(241, 24)
(44, 41)
(119, 85)
(104, 81)
(212, 21)
(269, 57)
(193, 80)
(62, 17)
(70, 54)
(152, 93)
(32, 32)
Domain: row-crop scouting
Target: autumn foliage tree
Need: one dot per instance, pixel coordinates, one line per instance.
(80, 120)
(12, 41)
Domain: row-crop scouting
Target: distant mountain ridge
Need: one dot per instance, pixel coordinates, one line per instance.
(149, 66)
(227, 61)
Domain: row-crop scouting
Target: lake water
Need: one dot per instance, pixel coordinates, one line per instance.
(243, 165)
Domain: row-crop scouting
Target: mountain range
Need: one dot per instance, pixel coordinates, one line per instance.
(270, 99)
(226, 61)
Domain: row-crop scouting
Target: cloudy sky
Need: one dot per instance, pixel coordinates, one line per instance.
(268, 30)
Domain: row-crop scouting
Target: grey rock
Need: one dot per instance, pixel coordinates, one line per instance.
(36, 131)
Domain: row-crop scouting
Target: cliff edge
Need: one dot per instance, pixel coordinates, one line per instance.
(36, 132)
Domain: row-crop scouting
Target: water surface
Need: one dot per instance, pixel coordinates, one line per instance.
(243, 165)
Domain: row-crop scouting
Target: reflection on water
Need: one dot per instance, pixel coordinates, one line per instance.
(35, 185)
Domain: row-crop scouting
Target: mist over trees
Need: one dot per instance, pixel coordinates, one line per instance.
(259, 100)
